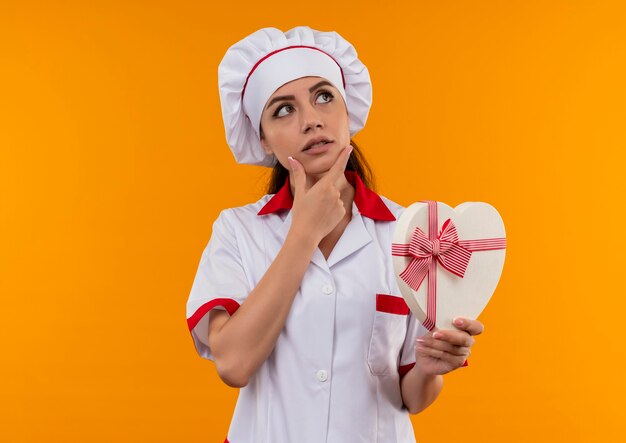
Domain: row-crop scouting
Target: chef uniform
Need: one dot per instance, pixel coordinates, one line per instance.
(334, 373)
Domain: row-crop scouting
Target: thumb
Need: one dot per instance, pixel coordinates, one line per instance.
(298, 174)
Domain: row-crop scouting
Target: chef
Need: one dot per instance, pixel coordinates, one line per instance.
(295, 298)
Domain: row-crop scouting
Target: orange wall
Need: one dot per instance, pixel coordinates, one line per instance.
(113, 166)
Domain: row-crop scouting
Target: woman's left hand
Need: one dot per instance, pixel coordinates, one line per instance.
(445, 350)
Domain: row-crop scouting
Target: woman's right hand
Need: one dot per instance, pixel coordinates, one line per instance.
(317, 209)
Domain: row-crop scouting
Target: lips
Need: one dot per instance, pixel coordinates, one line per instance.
(316, 142)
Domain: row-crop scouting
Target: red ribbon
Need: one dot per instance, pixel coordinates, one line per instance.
(446, 248)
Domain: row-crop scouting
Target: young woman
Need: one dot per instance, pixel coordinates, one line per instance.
(295, 298)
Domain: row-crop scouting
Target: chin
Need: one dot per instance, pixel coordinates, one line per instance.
(323, 162)
(320, 165)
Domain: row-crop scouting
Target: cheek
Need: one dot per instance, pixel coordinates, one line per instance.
(345, 127)
(276, 141)
(280, 135)
(277, 144)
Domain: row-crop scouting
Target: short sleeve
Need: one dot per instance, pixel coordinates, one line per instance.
(220, 283)
(414, 331)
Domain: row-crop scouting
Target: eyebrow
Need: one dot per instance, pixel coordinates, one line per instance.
(291, 97)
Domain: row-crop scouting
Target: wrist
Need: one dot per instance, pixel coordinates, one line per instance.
(302, 238)
(422, 376)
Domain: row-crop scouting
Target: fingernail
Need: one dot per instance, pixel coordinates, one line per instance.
(458, 322)
(421, 340)
(436, 335)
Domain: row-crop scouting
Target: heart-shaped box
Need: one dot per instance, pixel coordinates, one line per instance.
(448, 261)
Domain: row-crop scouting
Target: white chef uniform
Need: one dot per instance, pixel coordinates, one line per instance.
(334, 374)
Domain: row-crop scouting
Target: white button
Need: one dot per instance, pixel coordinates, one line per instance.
(327, 289)
(322, 375)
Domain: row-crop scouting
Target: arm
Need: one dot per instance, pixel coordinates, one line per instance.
(241, 343)
(419, 390)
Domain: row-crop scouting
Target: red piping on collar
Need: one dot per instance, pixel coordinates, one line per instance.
(367, 201)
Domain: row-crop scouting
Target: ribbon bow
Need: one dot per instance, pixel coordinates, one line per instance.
(445, 249)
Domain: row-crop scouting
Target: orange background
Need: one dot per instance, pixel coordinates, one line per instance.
(113, 167)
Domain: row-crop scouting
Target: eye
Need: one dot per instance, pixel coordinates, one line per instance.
(279, 111)
(328, 97)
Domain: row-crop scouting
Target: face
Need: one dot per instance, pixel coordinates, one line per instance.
(300, 112)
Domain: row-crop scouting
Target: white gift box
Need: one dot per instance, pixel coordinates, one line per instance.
(448, 261)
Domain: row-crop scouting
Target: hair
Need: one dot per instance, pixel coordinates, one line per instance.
(356, 163)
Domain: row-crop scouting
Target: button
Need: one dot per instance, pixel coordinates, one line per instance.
(322, 375)
(327, 289)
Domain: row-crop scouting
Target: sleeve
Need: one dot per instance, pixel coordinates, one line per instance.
(220, 283)
(407, 356)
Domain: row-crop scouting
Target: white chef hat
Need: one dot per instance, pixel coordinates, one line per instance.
(255, 67)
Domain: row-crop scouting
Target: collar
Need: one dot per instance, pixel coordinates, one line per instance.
(367, 201)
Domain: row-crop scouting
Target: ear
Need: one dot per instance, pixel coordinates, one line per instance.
(266, 147)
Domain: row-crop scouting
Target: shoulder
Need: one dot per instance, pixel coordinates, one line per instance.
(243, 216)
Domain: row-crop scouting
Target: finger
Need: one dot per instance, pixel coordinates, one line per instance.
(339, 167)
(441, 355)
(472, 327)
(443, 346)
(298, 174)
(456, 338)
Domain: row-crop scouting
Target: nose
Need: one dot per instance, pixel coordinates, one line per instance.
(310, 118)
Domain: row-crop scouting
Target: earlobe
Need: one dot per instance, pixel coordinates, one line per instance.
(268, 150)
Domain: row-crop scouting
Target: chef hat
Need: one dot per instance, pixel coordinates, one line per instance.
(255, 67)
